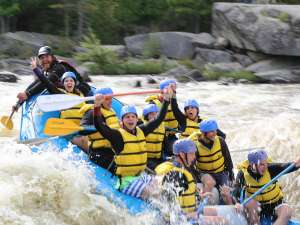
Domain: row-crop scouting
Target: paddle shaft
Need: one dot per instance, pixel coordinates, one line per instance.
(89, 98)
(16, 107)
(286, 170)
(247, 149)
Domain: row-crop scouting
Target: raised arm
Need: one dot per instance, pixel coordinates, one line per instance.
(113, 135)
(179, 116)
(44, 80)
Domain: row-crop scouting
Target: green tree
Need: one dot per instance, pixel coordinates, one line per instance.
(191, 14)
(8, 9)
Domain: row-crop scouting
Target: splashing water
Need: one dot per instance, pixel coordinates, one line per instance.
(46, 188)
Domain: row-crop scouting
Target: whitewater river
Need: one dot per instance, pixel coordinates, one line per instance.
(47, 189)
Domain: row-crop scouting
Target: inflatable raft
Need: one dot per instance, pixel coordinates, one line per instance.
(32, 125)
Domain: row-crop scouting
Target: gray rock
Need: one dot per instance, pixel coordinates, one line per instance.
(279, 76)
(151, 80)
(176, 45)
(6, 76)
(204, 40)
(224, 67)
(226, 81)
(275, 63)
(204, 56)
(138, 83)
(178, 71)
(270, 29)
(221, 43)
(25, 44)
(84, 72)
(17, 66)
(257, 56)
(244, 60)
(244, 81)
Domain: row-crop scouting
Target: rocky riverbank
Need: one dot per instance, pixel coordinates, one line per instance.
(248, 43)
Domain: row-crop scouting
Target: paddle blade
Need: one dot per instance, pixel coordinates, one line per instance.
(60, 127)
(57, 102)
(7, 122)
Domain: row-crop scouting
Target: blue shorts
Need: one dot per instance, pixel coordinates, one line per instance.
(137, 186)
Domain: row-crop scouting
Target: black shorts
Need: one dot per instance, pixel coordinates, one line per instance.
(103, 157)
(268, 210)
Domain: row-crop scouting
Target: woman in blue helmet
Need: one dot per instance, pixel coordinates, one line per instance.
(253, 174)
(129, 145)
(68, 86)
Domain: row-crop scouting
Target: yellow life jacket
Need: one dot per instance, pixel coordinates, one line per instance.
(191, 127)
(272, 194)
(132, 160)
(169, 120)
(111, 120)
(210, 160)
(154, 141)
(73, 113)
(187, 199)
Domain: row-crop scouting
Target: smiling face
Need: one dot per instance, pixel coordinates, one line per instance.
(191, 112)
(129, 121)
(46, 61)
(69, 84)
(211, 135)
(107, 102)
(152, 115)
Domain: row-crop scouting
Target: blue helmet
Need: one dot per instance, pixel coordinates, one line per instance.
(184, 145)
(128, 109)
(208, 125)
(191, 103)
(150, 108)
(257, 156)
(68, 74)
(166, 83)
(104, 91)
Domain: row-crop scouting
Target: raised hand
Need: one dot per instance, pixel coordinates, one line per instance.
(99, 98)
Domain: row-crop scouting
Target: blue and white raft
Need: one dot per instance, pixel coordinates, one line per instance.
(32, 125)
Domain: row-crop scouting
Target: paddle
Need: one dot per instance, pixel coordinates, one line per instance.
(7, 120)
(247, 149)
(48, 103)
(286, 170)
(62, 127)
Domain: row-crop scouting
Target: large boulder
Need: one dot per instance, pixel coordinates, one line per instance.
(204, 56)
(270, 29)
(275, 63)
(176, 45)
(204, 40)
(280, 76)
(25, 44)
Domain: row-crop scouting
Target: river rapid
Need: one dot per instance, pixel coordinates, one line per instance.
(47, 189)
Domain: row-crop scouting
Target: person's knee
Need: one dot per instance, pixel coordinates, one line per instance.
(284, 211)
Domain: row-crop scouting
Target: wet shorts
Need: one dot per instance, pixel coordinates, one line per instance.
(137, 185)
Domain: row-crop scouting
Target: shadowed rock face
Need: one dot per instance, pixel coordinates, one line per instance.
(270, 29)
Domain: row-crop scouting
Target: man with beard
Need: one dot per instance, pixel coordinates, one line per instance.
(53, 69)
